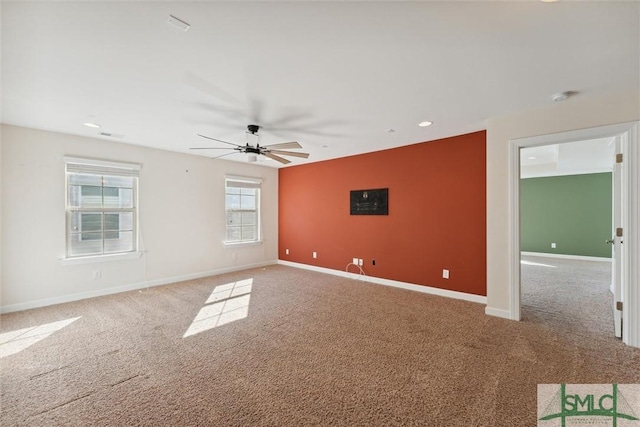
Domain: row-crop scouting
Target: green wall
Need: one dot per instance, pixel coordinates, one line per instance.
(573, 211)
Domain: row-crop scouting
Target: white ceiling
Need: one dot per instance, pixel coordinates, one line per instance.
(591, 156)
(334, 76)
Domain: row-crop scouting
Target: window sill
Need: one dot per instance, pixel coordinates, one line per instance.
(99, 258)
(241, 244)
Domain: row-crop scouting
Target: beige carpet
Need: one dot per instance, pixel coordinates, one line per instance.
(313, 349)
(568, 295)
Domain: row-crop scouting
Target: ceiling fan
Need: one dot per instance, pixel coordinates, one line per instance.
(273, 151)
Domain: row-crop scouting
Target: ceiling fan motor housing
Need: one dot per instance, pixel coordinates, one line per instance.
(250, 149)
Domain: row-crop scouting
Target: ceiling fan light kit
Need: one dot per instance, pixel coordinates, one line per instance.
(273, 151)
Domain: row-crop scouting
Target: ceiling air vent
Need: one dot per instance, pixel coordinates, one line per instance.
(178, 23)
(111, 135)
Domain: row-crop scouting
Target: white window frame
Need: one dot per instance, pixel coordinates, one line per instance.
(246, 182)
(103, 168)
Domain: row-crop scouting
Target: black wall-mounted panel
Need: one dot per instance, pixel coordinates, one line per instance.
(370, 202)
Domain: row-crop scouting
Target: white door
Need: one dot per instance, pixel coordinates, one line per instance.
(617, 241)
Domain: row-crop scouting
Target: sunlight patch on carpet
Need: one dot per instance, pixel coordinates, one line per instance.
(537, 264)
(15, 341)
(227, 303)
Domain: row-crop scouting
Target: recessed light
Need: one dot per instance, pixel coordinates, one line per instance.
(425, 123)
(325, 146)
(531, 158)
(91, 125)
(548, 1)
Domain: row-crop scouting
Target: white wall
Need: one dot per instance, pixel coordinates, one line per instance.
(573, 114)
(1, 213)
(181, 211)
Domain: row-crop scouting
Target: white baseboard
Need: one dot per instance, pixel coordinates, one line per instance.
(131, 287)
(497, 312)
(394, 283)
(576, 257)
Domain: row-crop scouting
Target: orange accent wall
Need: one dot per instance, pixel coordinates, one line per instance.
(436, 221)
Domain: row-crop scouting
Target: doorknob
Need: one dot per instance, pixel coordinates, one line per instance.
(610, 242)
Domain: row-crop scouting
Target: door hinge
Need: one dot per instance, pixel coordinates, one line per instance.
(619, 158)
(619, 305)
(619, 232)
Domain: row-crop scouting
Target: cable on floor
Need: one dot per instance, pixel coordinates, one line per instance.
(361, 273)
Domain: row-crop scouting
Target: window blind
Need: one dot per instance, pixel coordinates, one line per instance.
(233, 182)
(99, 167)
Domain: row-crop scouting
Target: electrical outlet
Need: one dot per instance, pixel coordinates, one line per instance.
(553, 245)
(97, 274)
(373, 262)
(445, 274)
(360, 262)
(355, 261)
(315, 254)
(286, 251)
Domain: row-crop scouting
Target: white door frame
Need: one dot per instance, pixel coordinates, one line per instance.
(631, 208)
(617, 245)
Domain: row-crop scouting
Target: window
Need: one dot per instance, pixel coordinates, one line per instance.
(242, 202)
(101, 207)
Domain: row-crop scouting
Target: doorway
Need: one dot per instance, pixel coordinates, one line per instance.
(628, 134)
(566, 217)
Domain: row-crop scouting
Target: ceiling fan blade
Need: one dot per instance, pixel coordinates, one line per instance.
(284, 145)
(229, 112)
(210, 148)
(219, 140)
(290, 153)
(293, 116)
(276, 158)
(209, 89)
(228, 154)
